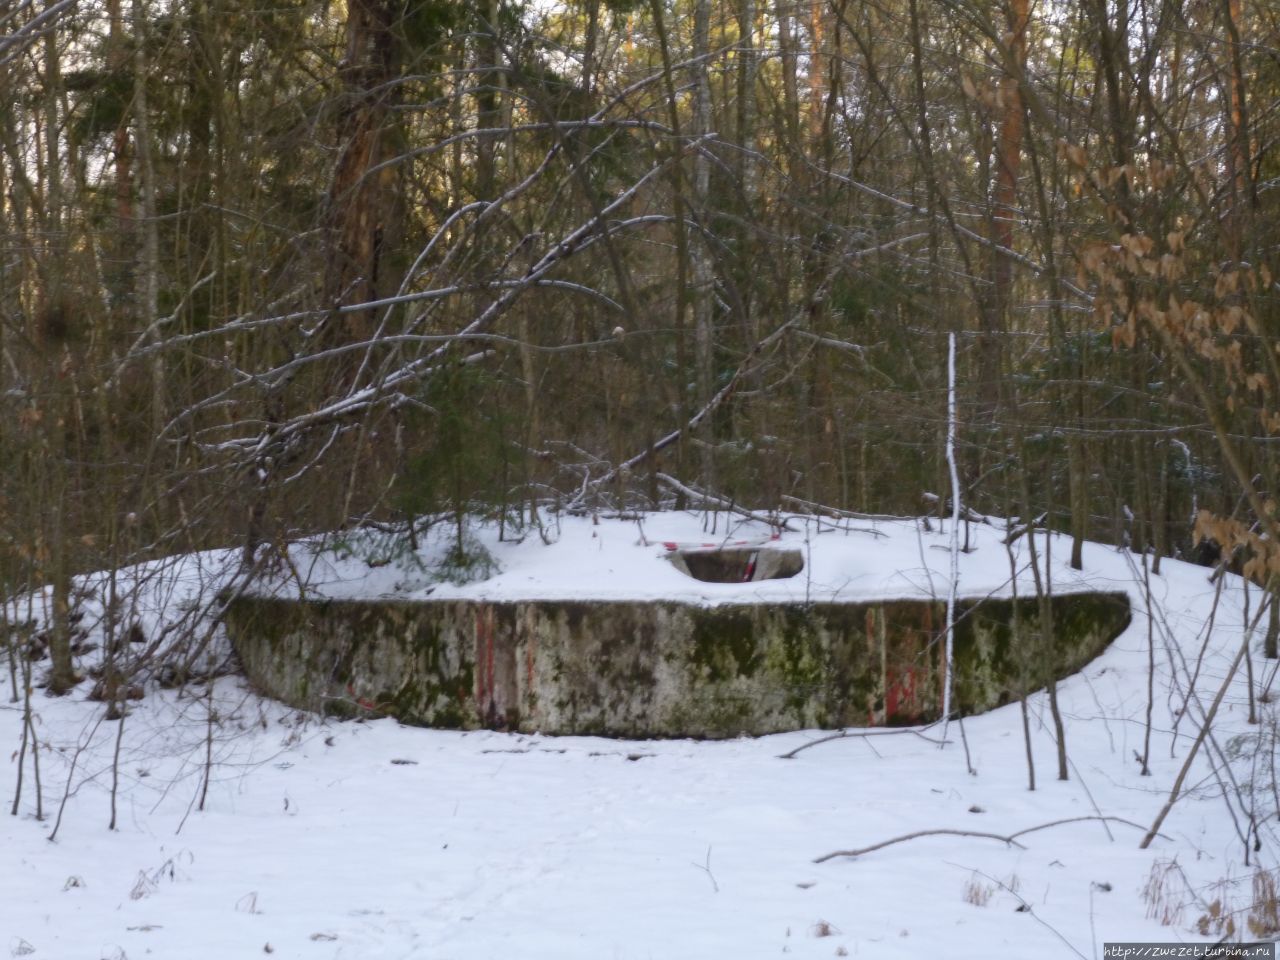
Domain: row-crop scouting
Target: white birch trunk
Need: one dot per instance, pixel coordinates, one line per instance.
(954, 579)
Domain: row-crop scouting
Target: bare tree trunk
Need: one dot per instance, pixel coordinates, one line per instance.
(679, 213)
(746, 99)
(1176, 791)
(149, 269)
(1044, 600)
(358, 202)
(1271, 643)
(701, 292)
(789, 61)
(1078, 491)
(1004, 207)
(56, 329)
(1244, 197)
(817, 107)
(120, 251)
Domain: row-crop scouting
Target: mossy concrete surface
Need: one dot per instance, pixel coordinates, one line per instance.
(644, 668)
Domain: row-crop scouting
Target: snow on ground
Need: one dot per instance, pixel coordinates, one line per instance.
(327, 839)
(574, 558)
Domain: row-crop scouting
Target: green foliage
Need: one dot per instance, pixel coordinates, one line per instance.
(425, 24)
(865, 304)
(462, 466)
(105, 101)
(466, 561)
(464, 452)
(377, 548)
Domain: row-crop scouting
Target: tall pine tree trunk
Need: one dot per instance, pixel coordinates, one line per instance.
(358, 200)
(1004, 212)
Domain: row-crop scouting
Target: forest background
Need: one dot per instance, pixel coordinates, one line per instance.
(271, 270)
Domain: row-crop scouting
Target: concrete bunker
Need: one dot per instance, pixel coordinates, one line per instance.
(647, 668)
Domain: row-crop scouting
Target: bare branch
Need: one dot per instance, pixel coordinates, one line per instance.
(1010, 839)
(941, 832)
(849, 734)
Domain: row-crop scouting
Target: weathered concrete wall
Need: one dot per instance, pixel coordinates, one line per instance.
(644, 669)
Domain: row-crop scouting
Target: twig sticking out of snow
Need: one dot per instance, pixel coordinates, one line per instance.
(1025, 907)
(1199, 741)
(706, 868)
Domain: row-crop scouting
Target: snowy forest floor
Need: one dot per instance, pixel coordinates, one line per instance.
(367, 839)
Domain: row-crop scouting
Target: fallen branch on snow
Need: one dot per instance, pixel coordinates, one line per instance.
(845, 735)
(711, 499)
(1010, 839)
